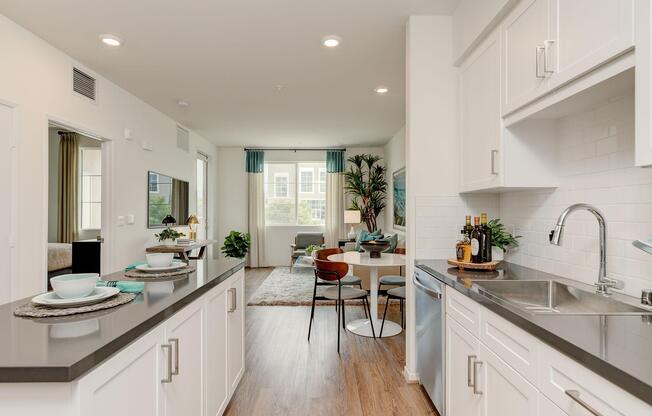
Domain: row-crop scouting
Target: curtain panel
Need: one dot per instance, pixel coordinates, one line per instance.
(68, 187)
(334, 223)
(255, 166)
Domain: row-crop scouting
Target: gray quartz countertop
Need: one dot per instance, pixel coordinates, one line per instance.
(616, 347)
(62, 349)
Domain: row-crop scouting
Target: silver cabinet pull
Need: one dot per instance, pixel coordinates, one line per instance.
(546, 48)
(234, 300)
(538, 51)
(493, 162)
(174, 342)
(575, 395)
(168, 349)
(470, 381)
(476, 364)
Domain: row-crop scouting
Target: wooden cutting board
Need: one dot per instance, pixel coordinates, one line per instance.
(473, 266)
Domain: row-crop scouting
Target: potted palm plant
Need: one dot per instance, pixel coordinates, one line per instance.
(366, 184)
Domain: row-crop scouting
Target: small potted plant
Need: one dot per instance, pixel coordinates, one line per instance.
(236, 245)
(168, 237)
(311, 250)
(501, 240)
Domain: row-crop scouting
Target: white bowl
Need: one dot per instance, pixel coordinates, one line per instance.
(159, 259)
(79, 285)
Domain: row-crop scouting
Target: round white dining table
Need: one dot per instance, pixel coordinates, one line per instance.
(353, 258)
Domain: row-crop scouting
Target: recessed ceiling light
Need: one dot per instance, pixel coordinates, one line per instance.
(331, 41)
(111, 40)
(183, 103)
(381, 90)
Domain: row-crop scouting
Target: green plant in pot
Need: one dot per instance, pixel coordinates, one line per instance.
(168, 236)
(501, 239)
(236, 245)
(366, 184)
(312, 248)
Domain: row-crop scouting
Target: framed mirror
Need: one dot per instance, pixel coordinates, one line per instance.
(166, 196)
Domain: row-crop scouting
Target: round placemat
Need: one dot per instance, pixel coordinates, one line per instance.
(163, 276)
(33, 310)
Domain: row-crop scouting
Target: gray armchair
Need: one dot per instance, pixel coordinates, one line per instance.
(303, 241)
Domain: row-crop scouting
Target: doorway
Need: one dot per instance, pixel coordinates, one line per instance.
(75, 203)
(202, 196)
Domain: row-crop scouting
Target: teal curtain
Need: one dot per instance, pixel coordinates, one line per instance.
(255, 161)
(335, 161)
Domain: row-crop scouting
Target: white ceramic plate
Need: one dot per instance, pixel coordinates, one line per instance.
(53, 301)
(174, 266)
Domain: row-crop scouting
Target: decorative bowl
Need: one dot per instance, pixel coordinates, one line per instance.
(374, 248)
(79, 285)
(159, 259)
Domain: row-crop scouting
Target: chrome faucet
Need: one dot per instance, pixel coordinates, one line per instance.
(604, 283)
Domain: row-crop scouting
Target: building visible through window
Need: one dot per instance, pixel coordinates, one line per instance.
(295, 193)
(90, 189)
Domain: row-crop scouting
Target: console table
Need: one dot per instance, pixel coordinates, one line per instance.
(183, 251)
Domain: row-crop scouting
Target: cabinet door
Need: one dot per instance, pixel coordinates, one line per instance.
(217, 387)
(134, 372)
(480, 121)
(461, 348)
(548, 408)
(524, 34)
(184, 332)
(235, 325)
(505, 392)
(587, 33)
(643, 96)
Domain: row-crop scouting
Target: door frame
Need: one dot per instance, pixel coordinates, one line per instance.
(106, 249)
(13, 207)
(206, 159)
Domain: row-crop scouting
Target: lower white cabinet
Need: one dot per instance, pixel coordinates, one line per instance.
(217, 384)
(235, 324)
(462, 349)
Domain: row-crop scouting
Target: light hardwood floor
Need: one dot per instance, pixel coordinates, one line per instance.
(286, 375)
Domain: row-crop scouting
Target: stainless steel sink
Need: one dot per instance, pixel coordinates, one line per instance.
(546, 297)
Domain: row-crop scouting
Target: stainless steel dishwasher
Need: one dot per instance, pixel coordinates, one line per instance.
(430, 336)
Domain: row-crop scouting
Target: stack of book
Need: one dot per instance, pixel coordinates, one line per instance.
(184, 241)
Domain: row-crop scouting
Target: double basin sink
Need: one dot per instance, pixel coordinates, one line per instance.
(548, 297)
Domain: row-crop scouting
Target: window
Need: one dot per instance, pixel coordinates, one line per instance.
(153, 182)
(292, 194)
(322, 180)
(91, 188)
(281, 185)
(306, 184)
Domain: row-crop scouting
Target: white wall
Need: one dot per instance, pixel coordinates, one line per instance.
(394, 152)
(596, 157)
(35, 78)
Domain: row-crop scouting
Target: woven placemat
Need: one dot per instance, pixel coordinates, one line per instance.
(171, 275)
(33, 310)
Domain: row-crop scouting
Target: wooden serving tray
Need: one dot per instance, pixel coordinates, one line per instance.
(473, 266)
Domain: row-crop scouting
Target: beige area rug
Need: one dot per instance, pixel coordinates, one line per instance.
(282, 288)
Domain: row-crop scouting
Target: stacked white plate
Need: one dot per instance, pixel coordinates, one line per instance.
(176, 265)
(51, 299)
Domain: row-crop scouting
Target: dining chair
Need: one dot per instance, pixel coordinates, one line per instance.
(349, 279)
(334, 271)
(392, 280)
(396, 293)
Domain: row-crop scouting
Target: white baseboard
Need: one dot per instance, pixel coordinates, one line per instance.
(410, 377)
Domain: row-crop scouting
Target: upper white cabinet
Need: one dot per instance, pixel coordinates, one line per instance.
(525, 32)
(549, 43)
(643, 83)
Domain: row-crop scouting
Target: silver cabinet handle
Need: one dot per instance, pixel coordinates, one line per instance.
(433, 293)
(546, 48)
(470, 382)
(476, 364)
(493, 162)
(234, 299)
(538, 51)
(168, 349)
(575, 395)
(175, 344)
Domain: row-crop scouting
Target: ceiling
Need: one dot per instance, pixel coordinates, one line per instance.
(254, 71)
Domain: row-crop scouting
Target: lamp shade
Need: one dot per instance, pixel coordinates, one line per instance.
(192, 220)
(169, 219)
(352, 216)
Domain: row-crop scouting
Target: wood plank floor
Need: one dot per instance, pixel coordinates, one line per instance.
(286, 375)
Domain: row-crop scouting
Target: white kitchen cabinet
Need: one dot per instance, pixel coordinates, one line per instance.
(585, 34)
(133, 373)
(235, 329)
(183, 393)
(217, 384)
(548, 408)
(480, 122)
(504, 391)
(462, 349)
(525, 32)
(643, 154)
